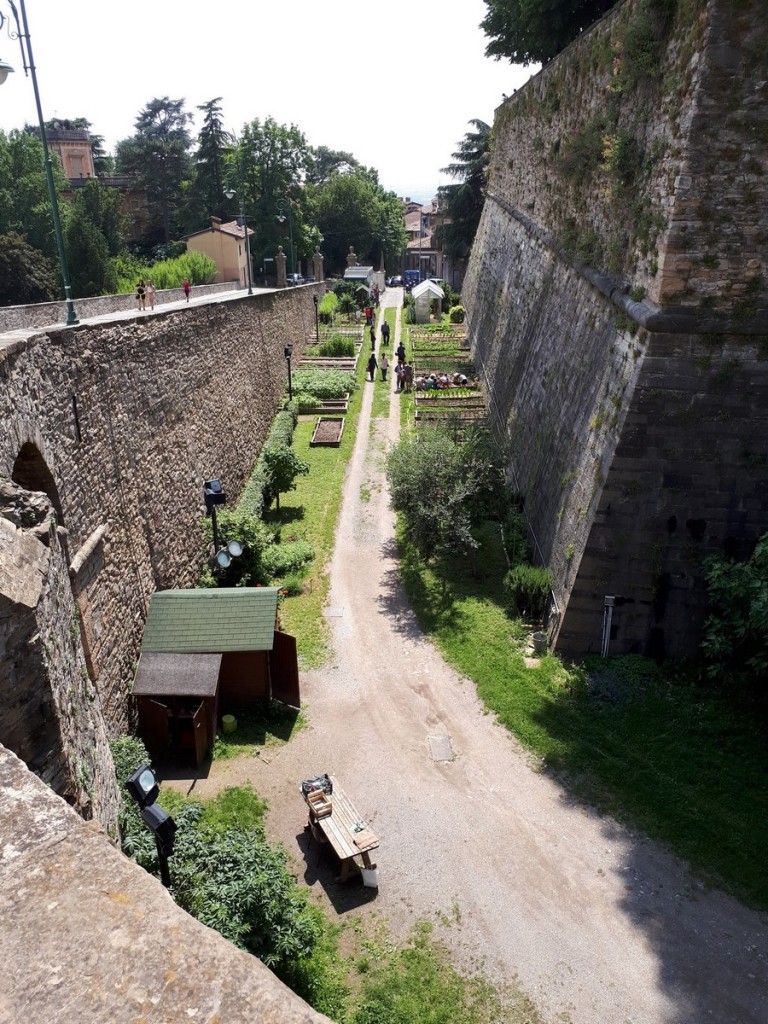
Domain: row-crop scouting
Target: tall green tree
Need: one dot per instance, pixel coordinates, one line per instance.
(325, 162)
(534, 31)
(158, 157)
(205, 196)
(95, 234)
(26, 275)
(352, 209)
(463, 202)
(271, 161)
(25, 205)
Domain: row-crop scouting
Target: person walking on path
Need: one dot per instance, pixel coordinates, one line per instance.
(385, 333)
(399, 376)
(187, 287)
(372, 364)
(151, 294)
(384, 367)
(400, 352)
(373, 338)
(407, 376)
(141, 293)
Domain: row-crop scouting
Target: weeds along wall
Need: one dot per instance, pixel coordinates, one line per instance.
(119, 424)
(617, 308)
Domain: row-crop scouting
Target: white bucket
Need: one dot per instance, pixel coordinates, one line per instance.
(370, 877)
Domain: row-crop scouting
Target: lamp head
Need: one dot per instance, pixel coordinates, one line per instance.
(314, 299)
(230, 193)
(288, 351)
(235, 548)
(213, 494)
(281, 217)
(222, 559)
(5, 70)
(142, 786)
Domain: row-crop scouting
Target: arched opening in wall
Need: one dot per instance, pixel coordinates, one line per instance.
(31, 472)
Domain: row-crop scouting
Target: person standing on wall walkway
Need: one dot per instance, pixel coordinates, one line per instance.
(384, 367)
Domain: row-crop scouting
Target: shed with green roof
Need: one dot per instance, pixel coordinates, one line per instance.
(206, 653)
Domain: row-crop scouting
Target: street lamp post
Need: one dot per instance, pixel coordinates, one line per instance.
(282, 206)
(288, 351)
(22, 34)
(230, 193)
(317, 321)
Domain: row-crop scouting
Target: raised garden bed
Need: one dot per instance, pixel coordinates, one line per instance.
(328, 431)
(337, 405)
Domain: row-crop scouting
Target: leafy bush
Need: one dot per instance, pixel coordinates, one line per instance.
(281, 559)
(199, 268)
(282, 464)
(735, 641)
(526, 591)
(326, 310)
(338, 345)
(324, 384)
(516, 537)
(456, 314)
(247, 570)
(293, 584)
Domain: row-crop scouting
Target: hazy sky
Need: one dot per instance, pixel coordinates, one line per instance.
(394, 83)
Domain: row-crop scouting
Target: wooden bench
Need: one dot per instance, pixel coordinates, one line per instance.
(341, 828)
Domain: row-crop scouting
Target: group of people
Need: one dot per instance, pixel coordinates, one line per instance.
(145, 292)
(442, 380)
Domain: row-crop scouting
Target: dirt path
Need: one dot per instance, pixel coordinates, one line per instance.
(599, 926)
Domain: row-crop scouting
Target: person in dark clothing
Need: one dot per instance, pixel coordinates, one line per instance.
(400, 352)
(372, 365)
(385, 333)
(373, 338)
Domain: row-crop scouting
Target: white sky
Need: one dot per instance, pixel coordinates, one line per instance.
(395, 83)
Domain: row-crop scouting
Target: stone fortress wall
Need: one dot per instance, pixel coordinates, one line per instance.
(119, 424)
(616, 303)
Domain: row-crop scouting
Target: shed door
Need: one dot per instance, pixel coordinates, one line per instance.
(284, 670)
(200, 723)
(153, 726)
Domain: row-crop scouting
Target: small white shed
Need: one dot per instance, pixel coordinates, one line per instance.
(423, 294)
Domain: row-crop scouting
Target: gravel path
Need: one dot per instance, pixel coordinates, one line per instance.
(598, 925)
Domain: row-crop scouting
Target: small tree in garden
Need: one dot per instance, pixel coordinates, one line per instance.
(283, 466)
(347, 305)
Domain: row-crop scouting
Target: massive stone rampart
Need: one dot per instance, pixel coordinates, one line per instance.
(119, 424)
(616, 302)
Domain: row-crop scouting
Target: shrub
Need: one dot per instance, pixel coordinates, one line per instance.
(128, 754)
(324, 383)
(293, 584)
(338, 345)
(326, 310)
(735, 640)
(527, 589)
(516, 537)
(283, 559)
(456, 314)
(199, 268)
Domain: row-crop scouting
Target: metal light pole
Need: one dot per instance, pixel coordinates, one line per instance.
(288, 351)
(282, 206)
(22, 34)
(230, 193)
(317, 321)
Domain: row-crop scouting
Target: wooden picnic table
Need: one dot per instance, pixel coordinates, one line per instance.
(345, 830)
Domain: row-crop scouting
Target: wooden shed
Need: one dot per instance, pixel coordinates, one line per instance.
(204, 653)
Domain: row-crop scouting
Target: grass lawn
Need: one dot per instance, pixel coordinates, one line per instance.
(659, 752)
(312, 512)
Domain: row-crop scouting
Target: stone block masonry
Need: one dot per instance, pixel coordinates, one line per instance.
(120, 423)
(617, 306)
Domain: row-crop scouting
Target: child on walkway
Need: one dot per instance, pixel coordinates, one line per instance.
(187, 287)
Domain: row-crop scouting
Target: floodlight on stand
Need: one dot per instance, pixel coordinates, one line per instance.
(142, 786)
(162, 825)
(222, 558)
(235, 548)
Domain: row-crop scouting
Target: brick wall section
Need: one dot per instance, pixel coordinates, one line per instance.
(640, 442)
(163, 403)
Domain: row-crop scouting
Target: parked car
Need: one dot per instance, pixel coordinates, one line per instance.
(309, 280)
(294, 279)
(394, 282)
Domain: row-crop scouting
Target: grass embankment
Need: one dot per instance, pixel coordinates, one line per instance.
(312, 512)
(679, 761)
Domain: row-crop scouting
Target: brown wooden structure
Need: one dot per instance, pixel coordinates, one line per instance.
(205, 653)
